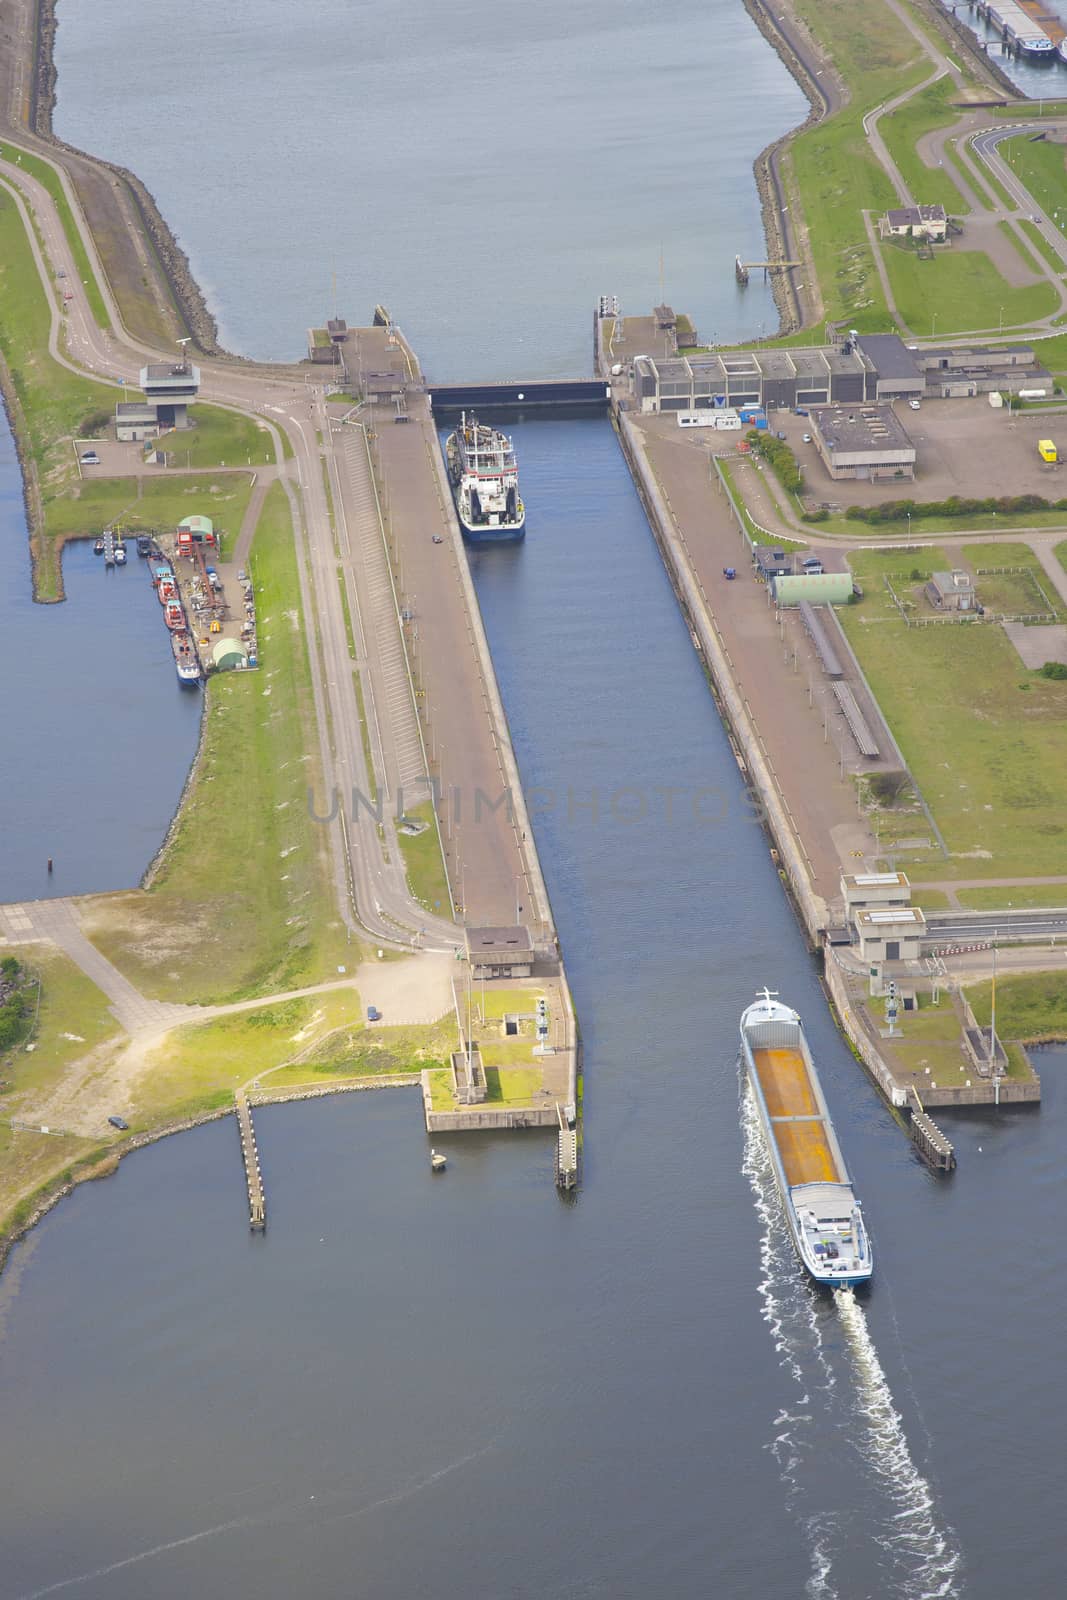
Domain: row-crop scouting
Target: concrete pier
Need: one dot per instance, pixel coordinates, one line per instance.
(257, 1200)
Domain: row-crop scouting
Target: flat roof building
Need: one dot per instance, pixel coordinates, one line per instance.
(951, 591)
(919, 222)
(169, 386)
(891, 933)
(500, 952)
(868, 891)
(135, 420)
(866, 442)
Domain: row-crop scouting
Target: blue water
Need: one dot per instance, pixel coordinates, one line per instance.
(98, 732)
(485, 170)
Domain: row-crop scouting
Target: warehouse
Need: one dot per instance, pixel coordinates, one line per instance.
(868, 443)
(784, 379)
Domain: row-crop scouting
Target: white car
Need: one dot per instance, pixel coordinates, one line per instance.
(89, 458)
(807, 438)
(914, 404)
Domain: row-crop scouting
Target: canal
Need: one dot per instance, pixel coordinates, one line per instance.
(463, 1386)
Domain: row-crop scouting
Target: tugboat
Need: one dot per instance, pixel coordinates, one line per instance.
(174, 616)
(144, 545)
(485, 482)
(185, 662)
(120, 553)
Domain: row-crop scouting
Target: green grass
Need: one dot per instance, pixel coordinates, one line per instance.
(359, 1051)
(500, 1003)
(512, 1085)
(903, 128)
(423, 862)
(1042, 169)
(835, 172)
(963, 290)
(88, 507)
(985, 740)
(364, 734)
(1060, 552)
(49, 177)
(975, 180)
(243, 902)
(1042, 245)
(755, 533)
(218, 438)
(73, 1019)
(1008, 232)
(1018, 897)
(349, 634)
(929, 899)
(1028, 1008)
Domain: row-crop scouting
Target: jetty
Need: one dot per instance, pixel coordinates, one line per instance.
(257, 1200)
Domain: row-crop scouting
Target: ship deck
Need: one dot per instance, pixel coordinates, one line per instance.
(797, 1126)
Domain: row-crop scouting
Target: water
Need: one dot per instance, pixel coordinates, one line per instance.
(99, 734)
(486, 170)
(461, 1386)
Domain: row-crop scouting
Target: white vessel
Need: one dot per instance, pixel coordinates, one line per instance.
(485, 482)
(823, 1214)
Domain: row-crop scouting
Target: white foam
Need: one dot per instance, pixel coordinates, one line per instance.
(927, 1557)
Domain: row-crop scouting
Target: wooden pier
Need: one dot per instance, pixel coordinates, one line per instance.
(743, 268)
(257, 1201)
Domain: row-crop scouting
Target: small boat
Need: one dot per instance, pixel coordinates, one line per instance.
(174, 616)
(821, 1210)
(98, 547)
(144, 545)
(120, 554)
(185, 662)
(438, 1162)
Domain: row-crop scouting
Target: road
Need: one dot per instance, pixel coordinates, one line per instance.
(1001, 925)
(368, 869)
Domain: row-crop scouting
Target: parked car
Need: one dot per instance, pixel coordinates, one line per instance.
(914, 404)
(807, 438)
(89, 458)
(120, 1123)
(373, 1014)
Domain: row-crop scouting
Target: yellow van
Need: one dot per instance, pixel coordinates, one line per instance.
(1046, 449)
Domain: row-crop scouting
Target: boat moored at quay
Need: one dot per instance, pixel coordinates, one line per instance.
(485, 482)
(820, 1207)
(185, 662)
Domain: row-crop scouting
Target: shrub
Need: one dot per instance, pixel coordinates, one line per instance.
(1054, 669)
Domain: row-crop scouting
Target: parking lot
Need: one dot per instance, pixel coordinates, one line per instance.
(964, 447)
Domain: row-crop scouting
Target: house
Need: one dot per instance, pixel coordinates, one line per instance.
(951, 591)
(915, 222)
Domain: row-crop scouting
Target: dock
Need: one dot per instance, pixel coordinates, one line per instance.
(257, 1200)
(566, 1153)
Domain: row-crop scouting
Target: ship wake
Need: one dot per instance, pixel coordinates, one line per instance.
(875, 1532)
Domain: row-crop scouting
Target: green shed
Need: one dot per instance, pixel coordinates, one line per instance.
(821, 588)
(228, 653)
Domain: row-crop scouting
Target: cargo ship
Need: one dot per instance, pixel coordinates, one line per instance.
(185, 662)
(485, 482)
(823, 1214)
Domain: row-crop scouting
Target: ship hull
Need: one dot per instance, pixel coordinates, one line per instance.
(485, 533)
(820, 1209)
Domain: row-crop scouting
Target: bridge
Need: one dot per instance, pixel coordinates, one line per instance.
(546, 393)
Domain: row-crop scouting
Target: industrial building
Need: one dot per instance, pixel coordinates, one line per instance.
(874, 891)
(867, 367)
(867, 442)
(890, 933)
(135, 420)
(169, 388)
(499, 952)
(818, 588)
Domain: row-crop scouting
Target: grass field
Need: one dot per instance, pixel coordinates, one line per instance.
(903, 128)
(422, 861)
(1042, 245)
(32, 1164)
(1031, 1007)
(243, 902)
(218, 438)
(359, 1051)
(514, 1086)
(961, 289)
(836, 174)
(86, 508)
(1022, 250)
(985, 739)
(1041, 168)
(1016, 898)
(47, 175)
(73, 1018)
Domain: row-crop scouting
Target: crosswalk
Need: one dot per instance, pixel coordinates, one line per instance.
(381, 627)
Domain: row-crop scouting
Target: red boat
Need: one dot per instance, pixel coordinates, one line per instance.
(174, 614)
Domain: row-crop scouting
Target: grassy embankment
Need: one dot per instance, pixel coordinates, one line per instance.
(903, 128)
(1032, 1008)
(960, 290)
(1041, 168)
(58, 406)
(422, 860)
(71, 1026)
(242, 903)
(985, 738)
(47, 175)
(830, 169)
